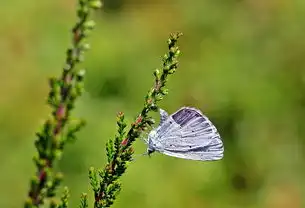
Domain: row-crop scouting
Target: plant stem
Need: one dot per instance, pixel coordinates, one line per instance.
(105, 183)
(59, 129)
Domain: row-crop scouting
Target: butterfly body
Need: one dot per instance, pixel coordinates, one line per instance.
(186, 134)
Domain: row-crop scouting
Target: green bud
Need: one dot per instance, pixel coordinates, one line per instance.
(70, 106)
(172, 71)
(80, 57)
(89, 24)
(79, 88)
(36, 160)
(95, 4)
(34, 181)
(58, 177)
(85, 46)
(73, 94)
(48, 127)
(84, 200)
(80, 74)
(54, 203)
(69, 52)
(172, 51)
(57, 154)
(159, 97)
(166, 68)
(91, 170)
(67, 67)
(83, 11)
(49, 184)
(157, 73)
(169, 41)
(28, 203)
(164, 91)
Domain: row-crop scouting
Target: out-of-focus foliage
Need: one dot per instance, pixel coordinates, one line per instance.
(59, 129)
(242, 64)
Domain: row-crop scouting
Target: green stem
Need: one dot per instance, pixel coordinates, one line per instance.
(58, 130)
(119, 151)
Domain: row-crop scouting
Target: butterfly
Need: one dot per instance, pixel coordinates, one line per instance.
(186, 134)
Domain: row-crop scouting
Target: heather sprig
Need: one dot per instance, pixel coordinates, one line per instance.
(64, 199)
(83, 201)
(105, 182)
(60, 128)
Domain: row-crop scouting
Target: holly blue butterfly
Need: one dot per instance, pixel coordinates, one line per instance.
(186, 134)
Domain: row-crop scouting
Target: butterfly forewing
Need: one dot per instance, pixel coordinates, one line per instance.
(185, 115)
(193, 123)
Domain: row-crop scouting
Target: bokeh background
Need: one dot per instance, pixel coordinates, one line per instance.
(242, 64)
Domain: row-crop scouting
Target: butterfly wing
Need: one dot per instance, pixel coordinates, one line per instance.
(189, 134)
(163, 116)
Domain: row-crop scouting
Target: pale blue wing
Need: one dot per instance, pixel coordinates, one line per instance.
(189, 134)
(186, 123)
(163, 116)
(212, 151)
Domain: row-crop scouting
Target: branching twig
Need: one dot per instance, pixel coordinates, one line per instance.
(84, 201)
(58, 129)
(105, 183)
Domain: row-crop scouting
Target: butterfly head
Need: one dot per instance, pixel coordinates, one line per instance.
(150, 151)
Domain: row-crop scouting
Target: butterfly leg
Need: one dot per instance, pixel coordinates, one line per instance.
(139, 155)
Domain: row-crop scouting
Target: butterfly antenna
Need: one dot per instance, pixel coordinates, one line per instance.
(139, 155)
(143, 138)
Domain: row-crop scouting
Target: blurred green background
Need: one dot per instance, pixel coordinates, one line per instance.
(242, 64)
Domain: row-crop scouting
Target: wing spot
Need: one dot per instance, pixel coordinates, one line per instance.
(190, 146)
